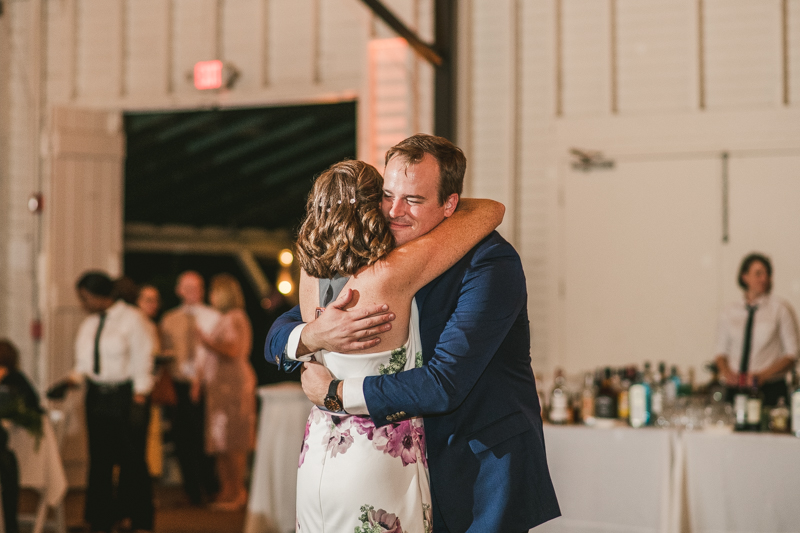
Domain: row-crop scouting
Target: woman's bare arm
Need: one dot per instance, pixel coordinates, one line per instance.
(413, 265)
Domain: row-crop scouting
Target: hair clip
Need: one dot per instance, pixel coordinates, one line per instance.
(339, 202)
(352, 200)
(328, 210)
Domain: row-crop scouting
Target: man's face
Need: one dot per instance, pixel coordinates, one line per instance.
(92, 303)
(190, 289)
(411, 198)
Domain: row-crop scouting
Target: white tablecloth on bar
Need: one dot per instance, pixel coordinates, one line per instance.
(284, 411)
(610, 479)
(40, 467)
(741, 482)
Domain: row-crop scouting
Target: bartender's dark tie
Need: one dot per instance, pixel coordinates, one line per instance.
(748, 340)
(97, 343)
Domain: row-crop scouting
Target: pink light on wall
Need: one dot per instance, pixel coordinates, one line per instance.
(391, 105)
(208, 75)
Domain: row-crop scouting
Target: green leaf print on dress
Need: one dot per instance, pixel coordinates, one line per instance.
(396, 363)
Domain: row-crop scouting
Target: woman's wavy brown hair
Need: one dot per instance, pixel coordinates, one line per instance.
(344, 229)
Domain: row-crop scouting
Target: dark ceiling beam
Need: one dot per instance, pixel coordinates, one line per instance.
(444, 99)
(421, 47)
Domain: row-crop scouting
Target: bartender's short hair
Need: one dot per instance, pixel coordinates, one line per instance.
(97, 283)
(9, 356)
(748, 261)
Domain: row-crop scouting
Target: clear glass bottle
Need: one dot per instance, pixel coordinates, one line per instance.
(740, 405)
(657, 392)
(795, 405)
(559, 400)
(779, 417)
(587, 399)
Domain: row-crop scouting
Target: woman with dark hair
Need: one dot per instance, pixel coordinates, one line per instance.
(352, 475)
(757, 338)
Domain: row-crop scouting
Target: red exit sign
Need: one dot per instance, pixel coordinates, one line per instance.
(208, 74)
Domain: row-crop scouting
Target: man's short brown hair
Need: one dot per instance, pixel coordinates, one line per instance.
(451, 160)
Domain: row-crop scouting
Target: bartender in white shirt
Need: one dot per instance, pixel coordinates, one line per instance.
(114, 351)
(757, 337)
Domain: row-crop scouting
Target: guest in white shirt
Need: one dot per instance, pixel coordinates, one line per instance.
(179, 340)
(114, 352)
(757, 337)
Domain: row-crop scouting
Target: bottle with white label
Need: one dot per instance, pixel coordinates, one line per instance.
(796, 406)
(639, 402)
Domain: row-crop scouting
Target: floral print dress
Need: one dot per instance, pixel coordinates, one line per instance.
(354, 477)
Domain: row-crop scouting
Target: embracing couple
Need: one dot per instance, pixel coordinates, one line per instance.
(414, 338)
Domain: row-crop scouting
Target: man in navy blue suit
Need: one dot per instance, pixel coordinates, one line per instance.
(476, 391)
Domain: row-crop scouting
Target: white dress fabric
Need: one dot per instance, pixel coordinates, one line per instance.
(354, 477)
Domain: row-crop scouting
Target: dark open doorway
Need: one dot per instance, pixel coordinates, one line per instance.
(234, 169)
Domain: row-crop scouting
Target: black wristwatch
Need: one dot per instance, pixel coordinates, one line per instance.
(332, 401)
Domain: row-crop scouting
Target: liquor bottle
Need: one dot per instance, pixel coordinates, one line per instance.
(647, 377)
(605, 403)
(657, 392)
(754, 403)
(639, 398)
(715, 390)
(740, 405)
(671, 387)
(779, 417)
(559, 400)
(587, 399)
(623, 405)
(796, 406)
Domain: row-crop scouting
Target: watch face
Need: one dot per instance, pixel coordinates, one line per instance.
(333, 404)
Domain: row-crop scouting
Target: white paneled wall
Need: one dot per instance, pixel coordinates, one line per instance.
(614, 258)
(743, 53)
(128, 55)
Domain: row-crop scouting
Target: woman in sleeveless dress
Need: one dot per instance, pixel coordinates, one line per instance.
(352, 476)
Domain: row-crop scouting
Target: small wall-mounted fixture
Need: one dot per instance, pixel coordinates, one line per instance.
(214, 74)
(36, 203)
(587, 160)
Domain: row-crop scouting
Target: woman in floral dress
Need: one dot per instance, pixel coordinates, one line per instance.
(352, 476)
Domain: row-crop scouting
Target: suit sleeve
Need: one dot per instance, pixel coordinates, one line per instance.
(491, 296)
(278, 338)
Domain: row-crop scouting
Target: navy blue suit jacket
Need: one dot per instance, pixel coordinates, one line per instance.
(476, 393)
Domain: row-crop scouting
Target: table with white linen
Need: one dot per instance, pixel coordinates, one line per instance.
(617, 479)
(742, 482)
(281, 426)
(40, 468)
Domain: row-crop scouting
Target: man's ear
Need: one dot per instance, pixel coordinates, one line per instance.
(450, 204)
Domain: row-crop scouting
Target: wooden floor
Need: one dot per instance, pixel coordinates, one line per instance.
(173, 514)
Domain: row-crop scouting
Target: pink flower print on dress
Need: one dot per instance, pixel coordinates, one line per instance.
(304, 446)
(363, 425)
(403, 443)
(339, 439)
(389, 523)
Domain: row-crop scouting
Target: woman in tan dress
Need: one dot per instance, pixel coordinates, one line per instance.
(229, 382)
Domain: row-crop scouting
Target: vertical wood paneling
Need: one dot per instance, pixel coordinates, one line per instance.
(195, 39)
(793, 51)
(493, 85)
(343, 39)
(292, 49)
(586, 53)
(743, 53)
(656, 55)
(241, 34)
(147, 47)
(99, 61)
